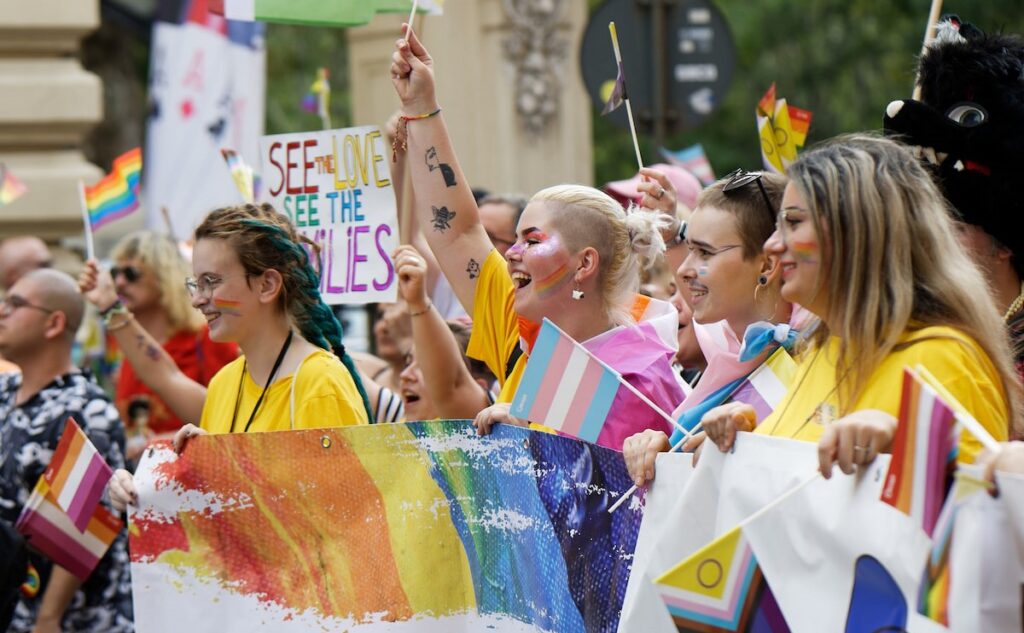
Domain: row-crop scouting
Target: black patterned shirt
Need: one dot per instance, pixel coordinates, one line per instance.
(28, 437)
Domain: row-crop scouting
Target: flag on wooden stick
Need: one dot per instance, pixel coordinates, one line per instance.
(77, 475)
(116, 194)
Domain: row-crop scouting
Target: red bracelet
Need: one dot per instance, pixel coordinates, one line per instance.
(402, 132)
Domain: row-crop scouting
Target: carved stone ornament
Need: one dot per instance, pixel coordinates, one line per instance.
(538, 51)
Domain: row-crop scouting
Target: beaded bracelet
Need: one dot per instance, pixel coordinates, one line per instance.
(402, 132)
(113, 311)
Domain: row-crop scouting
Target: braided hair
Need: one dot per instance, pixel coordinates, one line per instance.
(265, 239)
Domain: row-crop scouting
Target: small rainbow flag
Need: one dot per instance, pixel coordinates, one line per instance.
(924, 453)
(49, 529)
(10, 187)
(77, 475)
(241, 173)
(116, 194)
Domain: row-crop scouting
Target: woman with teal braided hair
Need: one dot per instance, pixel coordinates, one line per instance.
(255, 286)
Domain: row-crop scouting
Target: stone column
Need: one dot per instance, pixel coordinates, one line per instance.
(508, 81)
(49, 104)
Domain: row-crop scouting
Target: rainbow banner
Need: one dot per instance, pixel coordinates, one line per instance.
(369, 528)
(11, 188)
(116, 194)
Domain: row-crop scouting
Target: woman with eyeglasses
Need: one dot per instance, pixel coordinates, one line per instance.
(731, 283)
(576, 261)
(145, 282)
(254, 284)
(867, 244)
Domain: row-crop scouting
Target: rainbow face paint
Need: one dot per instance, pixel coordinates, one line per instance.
(805, 251)
(228, 307)
(547, 261)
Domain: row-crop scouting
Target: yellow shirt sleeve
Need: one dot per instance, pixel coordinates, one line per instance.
(495, 329)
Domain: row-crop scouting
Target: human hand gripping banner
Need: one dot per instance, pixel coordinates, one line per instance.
(399, 527)
(335, 185)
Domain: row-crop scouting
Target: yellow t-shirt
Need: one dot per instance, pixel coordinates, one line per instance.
(325, 396)
(956, 361)
(495, 325)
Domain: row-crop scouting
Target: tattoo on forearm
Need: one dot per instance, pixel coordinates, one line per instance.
(473, 268)
(433, 162)
(152, 353)
(442, 218)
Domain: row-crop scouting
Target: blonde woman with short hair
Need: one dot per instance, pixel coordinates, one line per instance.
(867, 244)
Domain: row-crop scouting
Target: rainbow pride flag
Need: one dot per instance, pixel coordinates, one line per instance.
(10, 187)
(924, 453)
(77, 475)
(424, 526)
(721, 588)
(116, 194)
(50, 530)
(564, 387)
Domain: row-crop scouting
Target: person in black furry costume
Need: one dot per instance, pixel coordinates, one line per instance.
(969, 128)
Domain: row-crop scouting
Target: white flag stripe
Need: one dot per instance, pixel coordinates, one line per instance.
(768, 385)
(567, 387)
(920, 452)
(74, 480)
(60, 520)
(240, 10)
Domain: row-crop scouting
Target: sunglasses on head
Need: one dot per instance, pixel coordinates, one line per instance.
(131, 273)
(741, 178)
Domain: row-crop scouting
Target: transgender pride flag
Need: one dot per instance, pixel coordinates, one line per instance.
(564, 387)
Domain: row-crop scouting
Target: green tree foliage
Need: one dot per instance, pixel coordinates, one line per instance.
(294, 53)
(845, 60)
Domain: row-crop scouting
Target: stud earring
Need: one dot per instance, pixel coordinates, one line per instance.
(762, 280)
(577, 294)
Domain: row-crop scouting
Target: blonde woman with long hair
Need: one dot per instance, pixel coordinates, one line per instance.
(576, 260)
(867, 244)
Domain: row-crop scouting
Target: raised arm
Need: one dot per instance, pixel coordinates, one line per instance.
(444, 204)
(448, 381)
(153, 365)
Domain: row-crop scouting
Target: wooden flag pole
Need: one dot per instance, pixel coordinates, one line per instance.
(629, 108)
(90, 248)
(412, 16)
(929, 35)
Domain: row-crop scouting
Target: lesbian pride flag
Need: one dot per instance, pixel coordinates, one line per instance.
(116, 194)
(924, 453)
(564, 387)
(77, 475)
(49, 529)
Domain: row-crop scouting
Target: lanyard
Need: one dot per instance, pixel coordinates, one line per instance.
(270, 379)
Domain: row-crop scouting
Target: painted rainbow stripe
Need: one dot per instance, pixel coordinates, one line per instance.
(553, 281)
(228, 307)
(924, 449)
(804, 250)
(564, 387)
(77, 475)
(116, 194)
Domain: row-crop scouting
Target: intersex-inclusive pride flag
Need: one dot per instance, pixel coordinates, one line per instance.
(116, 194)
(77, 475)
(924, 453)
(721, 588)
(783, 130)
(10, 187)
(417, 527)
(564, 387)
(694, 160)
(50, 530)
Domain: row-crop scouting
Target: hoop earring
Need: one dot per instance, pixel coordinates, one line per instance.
(762, 282)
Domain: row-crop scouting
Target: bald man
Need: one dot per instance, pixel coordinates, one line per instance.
(38, 320)
(19, 255)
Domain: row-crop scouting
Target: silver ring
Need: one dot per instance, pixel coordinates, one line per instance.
(860, 448)
(661, 192)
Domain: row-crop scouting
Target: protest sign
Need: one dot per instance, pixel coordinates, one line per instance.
(336, 187)
(393, 527)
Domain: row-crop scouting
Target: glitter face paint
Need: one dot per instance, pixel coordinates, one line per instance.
(548, 262)
(228, 307)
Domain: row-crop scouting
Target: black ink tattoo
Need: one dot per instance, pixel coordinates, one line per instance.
(473, 268)
(434, 163)
(442, 218)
